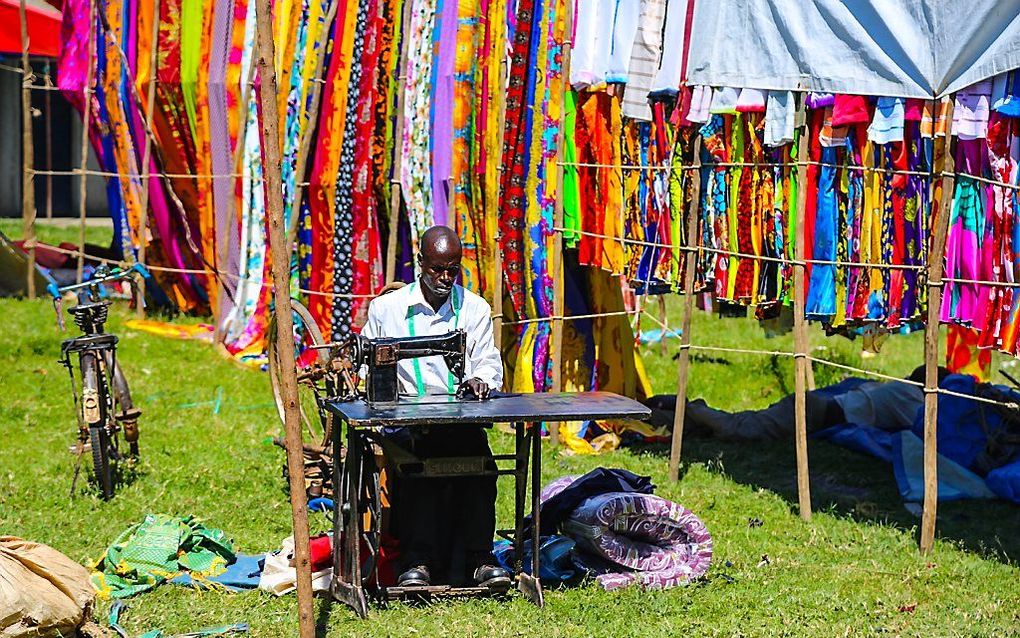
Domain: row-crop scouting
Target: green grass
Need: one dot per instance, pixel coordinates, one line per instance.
(852, 570)
(54, 232)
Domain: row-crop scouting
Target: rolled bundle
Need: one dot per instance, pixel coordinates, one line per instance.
(630, 538)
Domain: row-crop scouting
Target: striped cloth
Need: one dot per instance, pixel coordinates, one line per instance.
(644, 60)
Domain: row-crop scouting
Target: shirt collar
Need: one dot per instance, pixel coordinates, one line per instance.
(417, 298)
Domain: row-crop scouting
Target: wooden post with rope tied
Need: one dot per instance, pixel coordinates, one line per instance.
(279, 253)
(27, 155)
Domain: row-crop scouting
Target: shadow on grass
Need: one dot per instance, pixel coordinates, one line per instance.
(856, 486)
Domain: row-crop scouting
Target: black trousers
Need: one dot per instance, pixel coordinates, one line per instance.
(446, 524)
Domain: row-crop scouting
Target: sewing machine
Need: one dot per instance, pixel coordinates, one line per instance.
(380, 356)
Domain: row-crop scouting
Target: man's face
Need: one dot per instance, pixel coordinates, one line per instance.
(440, 266)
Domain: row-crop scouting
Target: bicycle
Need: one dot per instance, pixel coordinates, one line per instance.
(104, 407)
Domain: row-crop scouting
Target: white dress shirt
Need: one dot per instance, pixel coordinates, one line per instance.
(405, 313)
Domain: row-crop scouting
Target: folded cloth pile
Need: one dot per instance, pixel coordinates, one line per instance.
(624, 534)
(159, 549)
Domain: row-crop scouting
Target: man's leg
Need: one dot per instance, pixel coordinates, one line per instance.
(774, 422)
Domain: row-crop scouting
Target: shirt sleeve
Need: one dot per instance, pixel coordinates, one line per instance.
(484, 361)
(372, 326)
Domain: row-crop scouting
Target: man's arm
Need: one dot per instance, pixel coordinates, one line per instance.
(484, 360)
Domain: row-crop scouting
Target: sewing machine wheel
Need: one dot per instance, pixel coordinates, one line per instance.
(314, 379)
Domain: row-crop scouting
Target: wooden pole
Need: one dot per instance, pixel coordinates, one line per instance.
(931, 343)
(281, 292)
(398, 157)
(684, 358)
(90, 70)
(556, 256)
(800, 336)
(150, 105)
(49, 143)
(27, 154)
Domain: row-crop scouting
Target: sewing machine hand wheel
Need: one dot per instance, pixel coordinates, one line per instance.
(313, 371)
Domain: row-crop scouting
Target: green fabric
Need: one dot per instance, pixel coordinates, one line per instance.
(571, 186)
(157, 549)
(191, 53)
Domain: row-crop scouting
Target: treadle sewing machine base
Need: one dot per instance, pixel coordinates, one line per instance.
(351, 502)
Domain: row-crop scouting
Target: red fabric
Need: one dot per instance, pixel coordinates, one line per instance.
(913, 109)
(850, 109)
(43, 29)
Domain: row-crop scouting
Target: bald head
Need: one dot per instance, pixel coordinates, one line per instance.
(439, 257)
(440, 242)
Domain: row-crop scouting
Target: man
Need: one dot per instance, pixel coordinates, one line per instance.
(890, 405)
(443, 524)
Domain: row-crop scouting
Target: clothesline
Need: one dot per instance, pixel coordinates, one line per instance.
(193, 271)
(794, 164)
(855, 370)
(739, 255)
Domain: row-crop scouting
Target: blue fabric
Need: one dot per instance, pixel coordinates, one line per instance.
(955, 481)
(860, 438)
(601, 480)
(554, 552)
(821, 300)
(963, 424)
(1005, 481)
(242, 574)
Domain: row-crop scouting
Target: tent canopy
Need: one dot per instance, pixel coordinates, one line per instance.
(899, 48)
(43, 28)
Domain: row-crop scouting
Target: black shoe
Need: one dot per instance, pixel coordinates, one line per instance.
(414, 577)
(494, 578)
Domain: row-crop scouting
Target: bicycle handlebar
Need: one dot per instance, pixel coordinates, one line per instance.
(117, 274)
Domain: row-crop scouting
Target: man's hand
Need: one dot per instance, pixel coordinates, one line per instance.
(474, 386)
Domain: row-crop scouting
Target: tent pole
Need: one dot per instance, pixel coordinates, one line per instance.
(90, 71)
(931, 336)
(556, 257)
(150, 105)
(684, 358)
(27, 154)
(281, 293)
(398, 157)
(800, 336)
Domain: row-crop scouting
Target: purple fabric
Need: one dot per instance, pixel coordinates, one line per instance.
(640, 538)
(222, 155)
(819, 100)
(442, 125)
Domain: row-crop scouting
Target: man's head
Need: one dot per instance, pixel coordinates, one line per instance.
(439, 258)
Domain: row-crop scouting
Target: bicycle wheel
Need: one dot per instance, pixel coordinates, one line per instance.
(100, 441)
(317, 422)
(124, 410)
(94, 406)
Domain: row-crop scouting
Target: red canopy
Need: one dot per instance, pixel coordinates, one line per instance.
(43, 28)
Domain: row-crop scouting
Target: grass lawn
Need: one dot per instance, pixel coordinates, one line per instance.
(852, 570)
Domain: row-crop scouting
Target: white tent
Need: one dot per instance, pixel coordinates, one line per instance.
(898, 48)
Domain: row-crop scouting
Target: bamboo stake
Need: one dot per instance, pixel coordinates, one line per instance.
(556, 258)
(497, 288)
(150, 106)
(281, 292)
(684, 359)
(304, 151)
(90, 70)
(931, 346)
(27, 154)
(800, 337)
(398, 157)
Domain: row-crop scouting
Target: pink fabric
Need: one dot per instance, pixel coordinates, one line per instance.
(850, 109)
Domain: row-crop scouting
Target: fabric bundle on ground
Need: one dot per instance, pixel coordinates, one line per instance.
(158, 549)
(630, 536)
(42, 592)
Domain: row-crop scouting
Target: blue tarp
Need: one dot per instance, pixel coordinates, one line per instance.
(963, 428)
